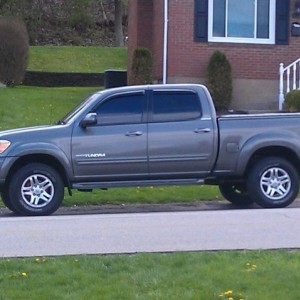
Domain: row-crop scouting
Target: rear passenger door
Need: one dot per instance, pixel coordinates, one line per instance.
(180, 139)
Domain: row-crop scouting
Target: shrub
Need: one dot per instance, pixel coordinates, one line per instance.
(141, 69)
(77, 14)
(14, 48)
(80, 21)
(292, 101)
(220, 80)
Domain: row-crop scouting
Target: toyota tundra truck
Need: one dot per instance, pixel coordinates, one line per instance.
(148, 136)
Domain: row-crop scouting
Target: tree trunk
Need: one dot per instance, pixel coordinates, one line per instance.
(119, 37)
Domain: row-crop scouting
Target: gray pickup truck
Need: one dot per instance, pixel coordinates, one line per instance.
(151, 135)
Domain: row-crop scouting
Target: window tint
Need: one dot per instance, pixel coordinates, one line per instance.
(121, 110)
(175, 106)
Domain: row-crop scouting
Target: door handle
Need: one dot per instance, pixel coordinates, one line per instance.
(202, 130)
(134, 133)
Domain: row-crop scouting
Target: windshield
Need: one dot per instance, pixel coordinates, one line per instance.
(78, 108)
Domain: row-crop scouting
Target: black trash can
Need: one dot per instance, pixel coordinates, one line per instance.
(115, 78)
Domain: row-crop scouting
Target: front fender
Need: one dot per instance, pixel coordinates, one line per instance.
(19, 151)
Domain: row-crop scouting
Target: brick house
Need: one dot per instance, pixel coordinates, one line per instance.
(255, 35)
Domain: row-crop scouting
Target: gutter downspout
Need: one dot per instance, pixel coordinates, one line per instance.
(165, 50)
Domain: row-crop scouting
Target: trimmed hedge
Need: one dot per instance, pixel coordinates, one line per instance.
(220, 80)
(141, 68)
(109, 79)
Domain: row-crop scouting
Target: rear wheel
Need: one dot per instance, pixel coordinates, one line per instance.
(36, 189)
(236, 193)
(274, 182)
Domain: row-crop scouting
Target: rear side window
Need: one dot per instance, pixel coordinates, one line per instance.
(126, 109)
(175, 106)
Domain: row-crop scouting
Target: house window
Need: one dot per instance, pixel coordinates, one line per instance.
(236, 21)
(215, 21)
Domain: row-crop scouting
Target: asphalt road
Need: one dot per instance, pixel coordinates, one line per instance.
(206, 229)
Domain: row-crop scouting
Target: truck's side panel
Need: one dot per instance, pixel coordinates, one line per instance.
(243, 136)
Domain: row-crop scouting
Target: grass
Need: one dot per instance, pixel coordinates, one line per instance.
(27, 106)
(76, 59)
(236, 275)
(150, 195)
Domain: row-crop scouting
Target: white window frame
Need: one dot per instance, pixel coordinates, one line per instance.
(270, 40)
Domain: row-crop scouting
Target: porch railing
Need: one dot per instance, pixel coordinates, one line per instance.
(289, 79)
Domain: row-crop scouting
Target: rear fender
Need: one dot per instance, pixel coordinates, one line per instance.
(269, 143)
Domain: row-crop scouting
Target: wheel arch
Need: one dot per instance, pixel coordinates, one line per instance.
(40, 158)
(279, 151)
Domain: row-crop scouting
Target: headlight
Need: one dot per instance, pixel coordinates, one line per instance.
(4, 144)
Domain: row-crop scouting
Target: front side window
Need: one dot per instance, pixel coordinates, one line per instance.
(127, 109)
(242, 21)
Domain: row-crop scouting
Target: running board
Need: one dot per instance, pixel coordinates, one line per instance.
(114, 184)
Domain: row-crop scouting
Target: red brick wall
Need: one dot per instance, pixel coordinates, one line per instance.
(187, 58)
(140, 26)
(158, 38)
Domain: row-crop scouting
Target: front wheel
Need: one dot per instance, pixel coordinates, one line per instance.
(36, 189)
(274, 182)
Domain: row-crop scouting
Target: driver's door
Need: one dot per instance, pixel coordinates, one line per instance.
(116, 147)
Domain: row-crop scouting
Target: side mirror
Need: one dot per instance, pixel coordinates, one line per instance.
(89, 120)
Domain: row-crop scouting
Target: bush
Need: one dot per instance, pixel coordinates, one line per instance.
(78, 16)
(80, 21)
(220, 80)
(141, 69)
(14, 49)
(292, 101)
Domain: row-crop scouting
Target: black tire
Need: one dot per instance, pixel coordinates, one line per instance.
(274, 182)
(36, 190)
(7, 202)
(236, 193)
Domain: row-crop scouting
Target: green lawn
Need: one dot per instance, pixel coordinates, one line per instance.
(236, 275)
(26, 106)
(76, 59)
(149, 195)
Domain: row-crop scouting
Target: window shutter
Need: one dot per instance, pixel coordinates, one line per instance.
(282, 22)
(201, 20)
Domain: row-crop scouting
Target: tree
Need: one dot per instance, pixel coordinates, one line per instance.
(119, 36)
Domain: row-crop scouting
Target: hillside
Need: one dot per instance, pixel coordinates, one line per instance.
(66, 22)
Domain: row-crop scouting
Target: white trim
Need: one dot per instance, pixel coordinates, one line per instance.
(269, 41)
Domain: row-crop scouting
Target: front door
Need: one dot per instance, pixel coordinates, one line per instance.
(115, 148)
